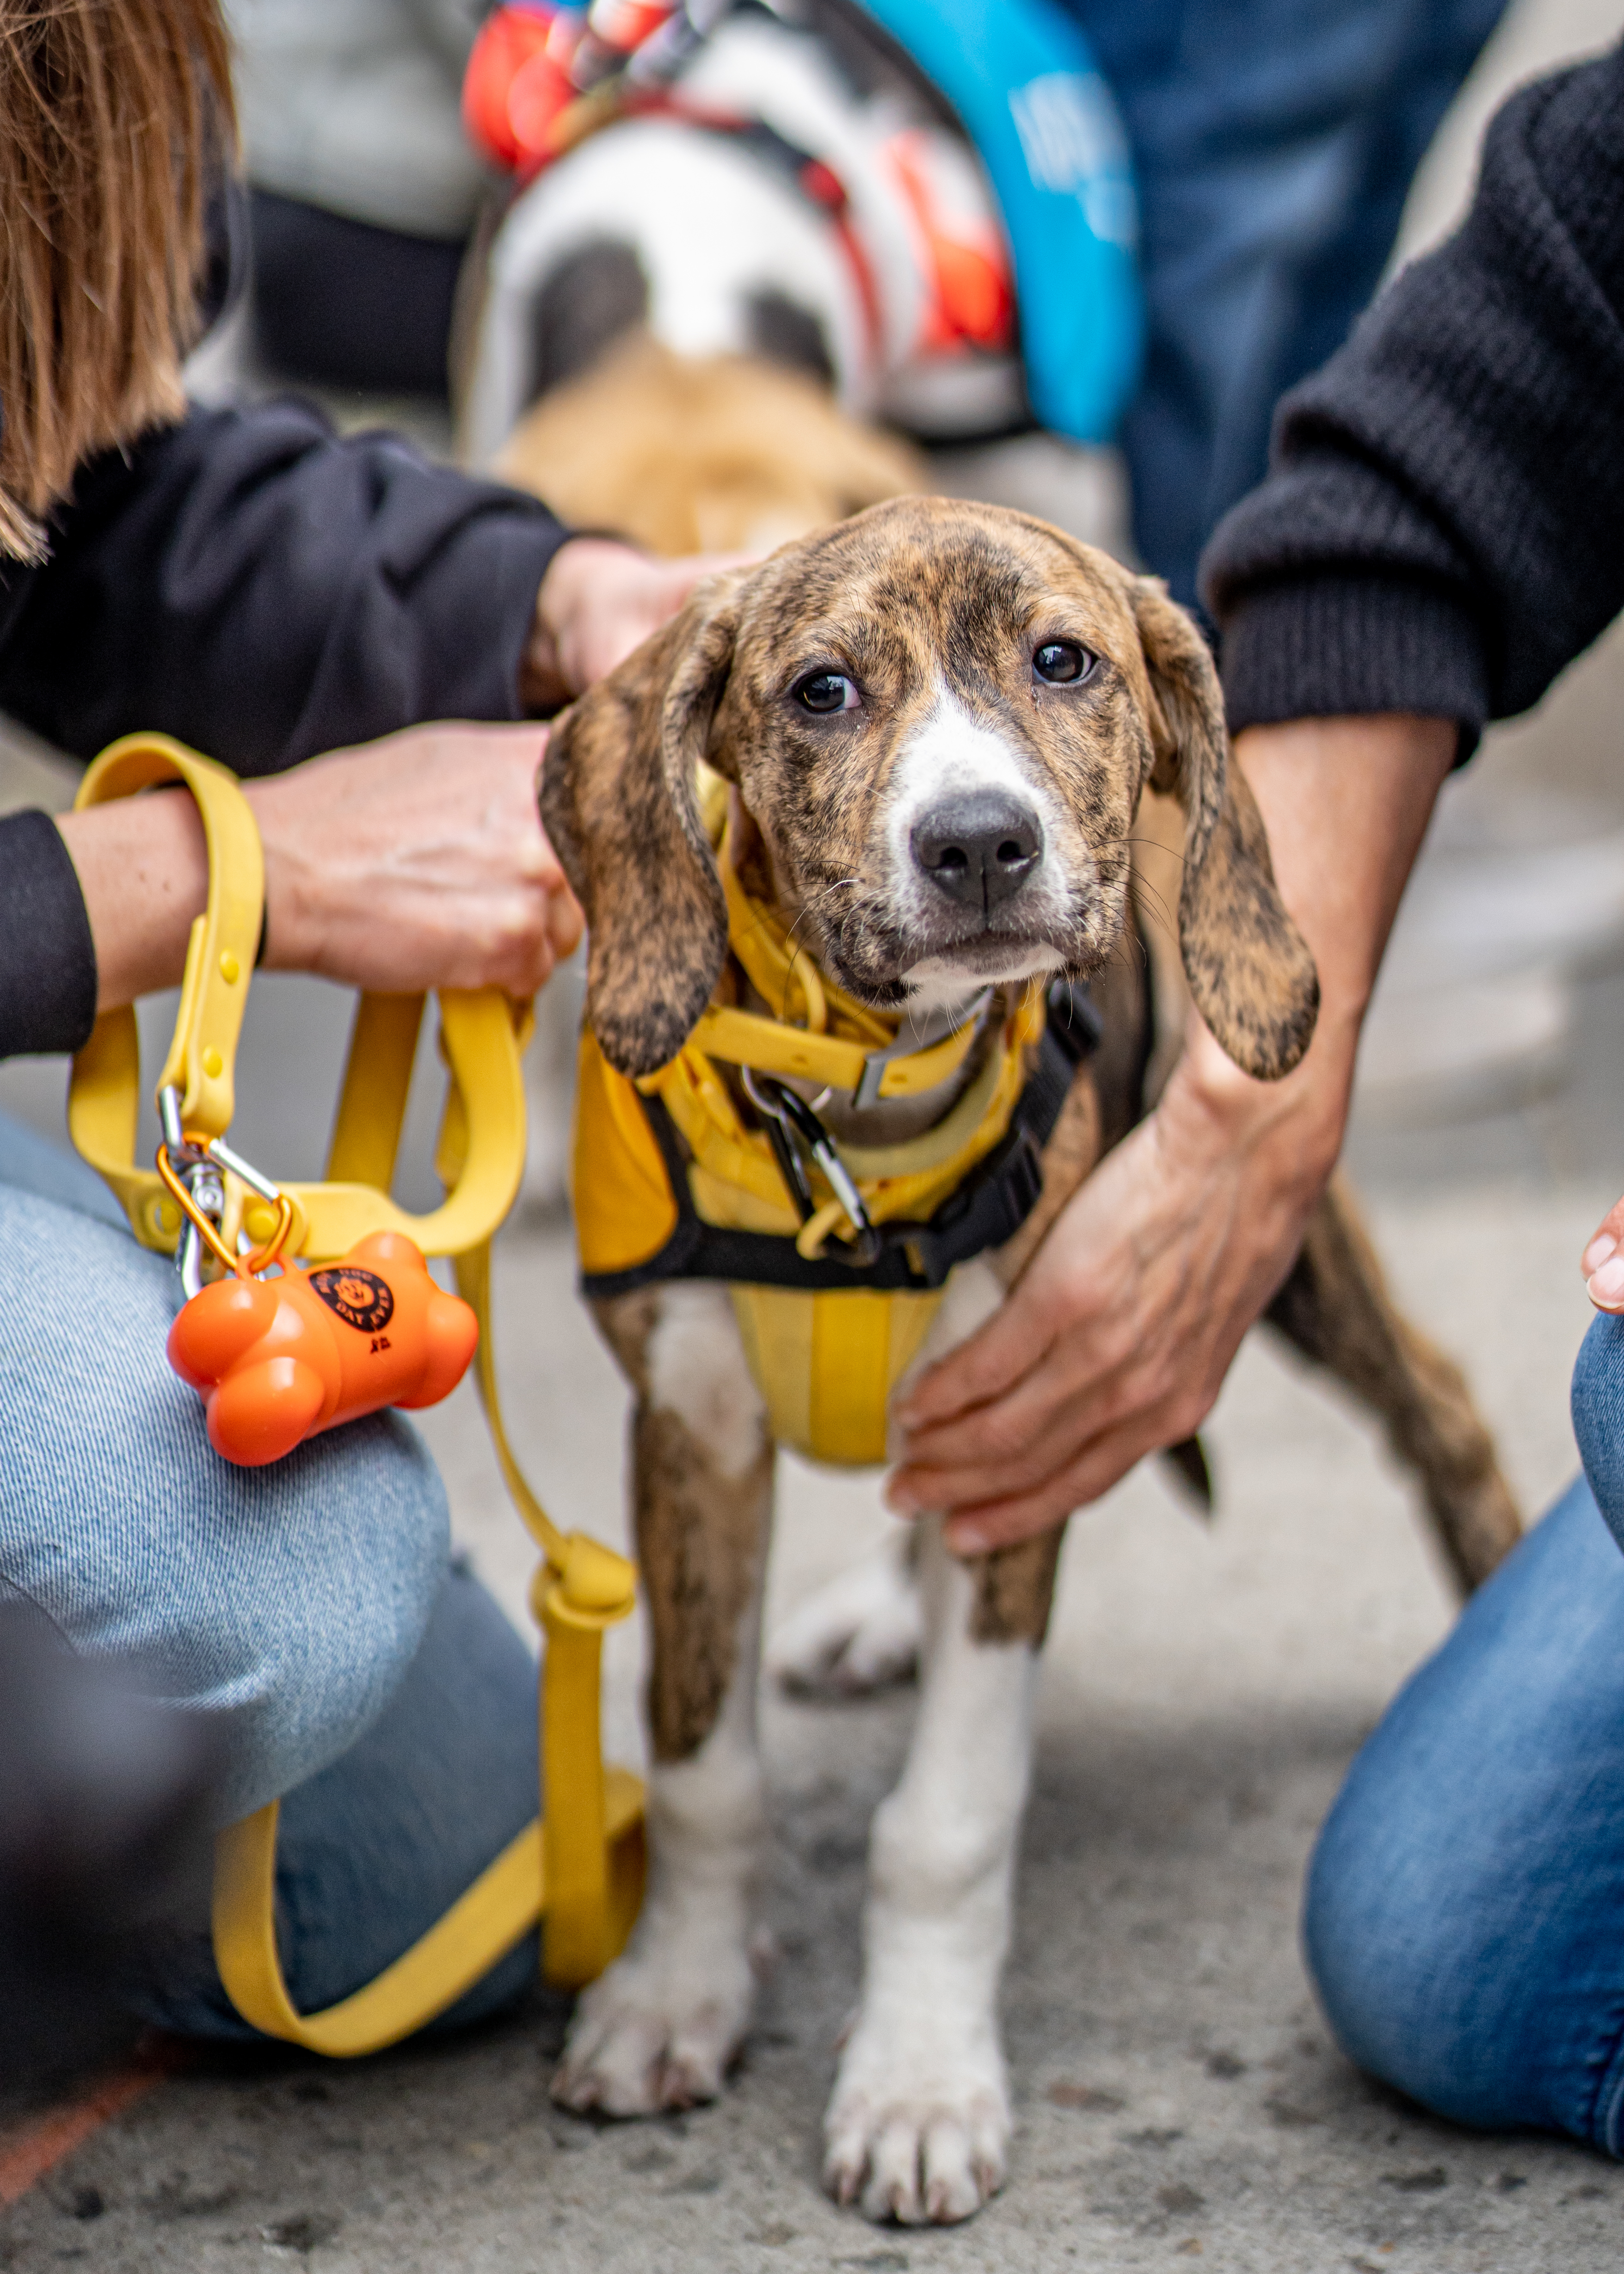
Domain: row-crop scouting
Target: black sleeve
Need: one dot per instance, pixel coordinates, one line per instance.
(48, 963)
(1443, 527)
(264, 590)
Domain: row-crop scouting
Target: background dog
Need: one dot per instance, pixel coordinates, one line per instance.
(801, 192)
(927, 675)
(803, 244)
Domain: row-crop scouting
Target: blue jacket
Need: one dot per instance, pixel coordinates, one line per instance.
(1023, 80)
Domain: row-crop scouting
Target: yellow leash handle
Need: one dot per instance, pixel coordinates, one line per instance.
(104, 1093)
(579, 1867)
(593, 1844)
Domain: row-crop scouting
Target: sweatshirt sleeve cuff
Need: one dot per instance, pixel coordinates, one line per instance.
(1342, 646)
(47, 958)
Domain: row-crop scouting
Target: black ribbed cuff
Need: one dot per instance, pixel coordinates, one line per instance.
(47, 958)
(1341, 646)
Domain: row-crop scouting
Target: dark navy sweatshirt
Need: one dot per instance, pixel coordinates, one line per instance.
(1442, 528)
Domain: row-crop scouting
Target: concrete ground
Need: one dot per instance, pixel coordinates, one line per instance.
(1178, 2097)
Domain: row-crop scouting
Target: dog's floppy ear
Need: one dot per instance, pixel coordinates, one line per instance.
(617, 799)
(1250, 971)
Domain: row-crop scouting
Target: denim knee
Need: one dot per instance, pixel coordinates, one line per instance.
(284, 1603)
(1391, 1935)
(1464, 1912)
(1597, 1401)
(381, 1844)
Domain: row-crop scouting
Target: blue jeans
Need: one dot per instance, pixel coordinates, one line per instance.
(1464, 1919)
(1274, 143)
(305, 1610)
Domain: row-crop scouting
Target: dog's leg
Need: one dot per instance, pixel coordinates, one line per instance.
(859, 1631)
(1335, 1308)
(918, 2125)
(660, 2028)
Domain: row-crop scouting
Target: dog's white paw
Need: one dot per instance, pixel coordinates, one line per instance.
(857, 1633)
(656, 2031)
(915, 2138)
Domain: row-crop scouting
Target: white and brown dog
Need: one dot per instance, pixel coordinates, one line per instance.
(936, 722)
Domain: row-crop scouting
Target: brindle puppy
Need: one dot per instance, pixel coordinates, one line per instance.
(939, 721)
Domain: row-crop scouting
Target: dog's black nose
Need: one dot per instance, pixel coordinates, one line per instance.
(980, 846)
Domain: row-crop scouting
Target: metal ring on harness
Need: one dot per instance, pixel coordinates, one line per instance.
(787, 1116)
(578, 1868)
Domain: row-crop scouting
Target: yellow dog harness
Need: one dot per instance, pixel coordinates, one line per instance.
(578, 1868)
(835, 1256)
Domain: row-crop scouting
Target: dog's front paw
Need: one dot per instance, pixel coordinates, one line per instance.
(657, 2031)
(858, 1632)
(916, 2139)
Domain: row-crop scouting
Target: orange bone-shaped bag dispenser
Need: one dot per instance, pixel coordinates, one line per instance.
(278, 1359)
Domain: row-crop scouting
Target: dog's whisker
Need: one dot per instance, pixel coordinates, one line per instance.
(1158, 910)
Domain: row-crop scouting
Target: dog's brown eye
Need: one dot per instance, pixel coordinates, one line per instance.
(1062, 661)
(827, 691)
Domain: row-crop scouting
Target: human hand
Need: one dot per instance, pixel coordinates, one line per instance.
(416, 861)
(599, 601)
(1117, 1338)
(1603, 1264)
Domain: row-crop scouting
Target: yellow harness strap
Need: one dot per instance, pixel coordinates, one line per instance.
(579, 1867)
(824, 1361)
(861, 1056)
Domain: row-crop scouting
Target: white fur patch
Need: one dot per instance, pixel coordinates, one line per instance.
(859, 1631)
(918, 2125)
(697, 1370)
(659, 2029)
(949, 751)
(709, 226)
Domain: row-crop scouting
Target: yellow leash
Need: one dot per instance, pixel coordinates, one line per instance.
(578, 1868)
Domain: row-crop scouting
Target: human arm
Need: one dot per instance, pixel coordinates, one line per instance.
(1438, 539)
(1439, 530)
(250, 583)
(418, 862)
(598, 600)
(263, 590)
(1118, 1336)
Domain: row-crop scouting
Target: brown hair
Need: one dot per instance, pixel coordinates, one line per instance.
(115, 118)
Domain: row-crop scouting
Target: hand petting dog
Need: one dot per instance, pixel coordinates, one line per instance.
(419, 861)
(1117, 1340)
(598, 600)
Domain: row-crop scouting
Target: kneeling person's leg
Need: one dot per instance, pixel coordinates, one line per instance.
(283, 1604)
(1465, 1905)
(374, 1849)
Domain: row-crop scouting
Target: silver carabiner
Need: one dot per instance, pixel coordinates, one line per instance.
(204, 1183)
(201, 1170)
(789, 1117)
